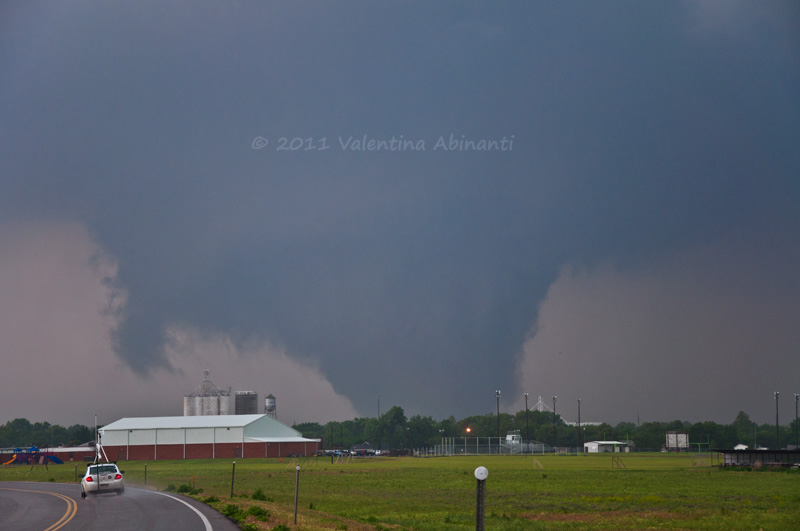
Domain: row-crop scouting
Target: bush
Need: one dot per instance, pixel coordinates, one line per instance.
(185, 488)
(210, 499)
(258, 513)
(233, 512)
(259, 495)
(171, 487)
(249, 527)
(281, 527)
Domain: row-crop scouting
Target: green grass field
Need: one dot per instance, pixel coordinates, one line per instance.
(661, 491)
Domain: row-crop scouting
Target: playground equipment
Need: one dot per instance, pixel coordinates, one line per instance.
(33, 456)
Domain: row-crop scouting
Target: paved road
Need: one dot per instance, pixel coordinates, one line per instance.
(59, 507)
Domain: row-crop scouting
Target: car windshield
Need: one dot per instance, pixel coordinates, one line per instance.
(103, 469)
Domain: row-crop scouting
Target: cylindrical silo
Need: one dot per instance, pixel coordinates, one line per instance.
(246, 403)
(224, 404)
(207, 399)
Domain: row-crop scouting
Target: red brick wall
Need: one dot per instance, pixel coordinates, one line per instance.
(255, 450)
(208, 451)
(169, 451)
(285, 449)
(199, 451)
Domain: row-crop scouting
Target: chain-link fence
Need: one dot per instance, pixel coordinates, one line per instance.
(488, 446)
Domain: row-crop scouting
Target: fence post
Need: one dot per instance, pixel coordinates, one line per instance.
(233, 475)
(145, 473)
(480, 510)
(296, 490)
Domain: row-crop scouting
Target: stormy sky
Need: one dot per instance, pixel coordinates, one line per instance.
(331, 201)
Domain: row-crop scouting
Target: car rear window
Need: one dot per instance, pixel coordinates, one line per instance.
(105, 469)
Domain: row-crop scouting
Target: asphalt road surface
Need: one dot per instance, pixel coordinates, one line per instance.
(59, 507)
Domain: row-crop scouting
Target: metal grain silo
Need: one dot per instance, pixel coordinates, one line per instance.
(246, 403)
(207, 399)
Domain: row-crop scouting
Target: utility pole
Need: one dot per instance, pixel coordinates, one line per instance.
(554, 422)
(777, 432)
(527, 432)
(796, 424)
(497, 395)
(579, 424)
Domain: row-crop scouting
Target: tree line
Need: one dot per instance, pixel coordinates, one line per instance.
(393, 430)
(21, 433)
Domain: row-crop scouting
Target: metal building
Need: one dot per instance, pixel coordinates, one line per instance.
(196, 437)
(207, 399)
(601, 447)
(246, 403)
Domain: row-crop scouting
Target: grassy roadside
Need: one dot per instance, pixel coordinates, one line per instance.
(542, 492)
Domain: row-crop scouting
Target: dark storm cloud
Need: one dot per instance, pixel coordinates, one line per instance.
(413, 274)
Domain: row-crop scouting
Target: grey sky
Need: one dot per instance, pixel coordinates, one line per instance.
(640, 135)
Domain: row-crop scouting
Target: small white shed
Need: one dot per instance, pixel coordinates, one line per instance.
(600, 447)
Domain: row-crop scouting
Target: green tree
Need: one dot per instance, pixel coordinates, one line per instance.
(392, 428)
(745, 429)
(422, 432)
(310, 430)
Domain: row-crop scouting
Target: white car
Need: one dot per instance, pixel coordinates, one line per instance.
(102, 477)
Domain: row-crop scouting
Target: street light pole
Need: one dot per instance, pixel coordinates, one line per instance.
(579, 424)
(554, 422)
(777, 433)
(528, 434)
(497, 395)
(796, 424)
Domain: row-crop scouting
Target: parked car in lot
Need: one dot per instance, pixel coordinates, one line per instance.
(102, 477)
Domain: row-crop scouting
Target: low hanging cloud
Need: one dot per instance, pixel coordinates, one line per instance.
(696, 335)
(57, 316)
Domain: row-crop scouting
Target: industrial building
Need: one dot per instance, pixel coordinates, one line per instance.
(759, 458)
(203, 437)
(601, 447)
(207, 399)
(245, 403)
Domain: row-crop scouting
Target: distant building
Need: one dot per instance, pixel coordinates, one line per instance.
(203, 437)
(513, 437)
(760, 457)
(600, 447)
